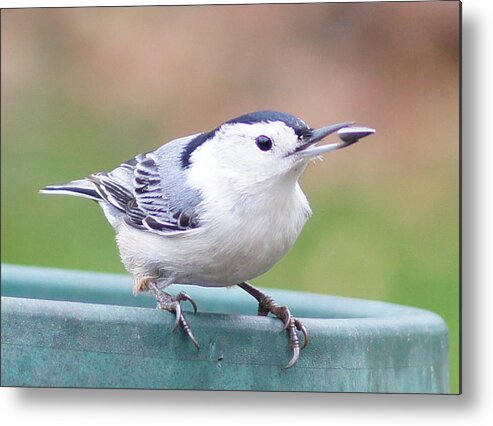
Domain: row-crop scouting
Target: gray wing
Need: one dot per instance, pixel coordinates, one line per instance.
(151, 192)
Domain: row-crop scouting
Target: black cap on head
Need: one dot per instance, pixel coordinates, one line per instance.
(298, 125)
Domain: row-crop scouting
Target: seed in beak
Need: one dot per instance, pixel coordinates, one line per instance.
(351, 135)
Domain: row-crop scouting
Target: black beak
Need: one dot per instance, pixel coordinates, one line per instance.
(348, 134)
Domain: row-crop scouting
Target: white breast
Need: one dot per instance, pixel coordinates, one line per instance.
(248, 226)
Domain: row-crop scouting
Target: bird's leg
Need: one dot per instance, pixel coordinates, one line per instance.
(266, 305)
(167, 302)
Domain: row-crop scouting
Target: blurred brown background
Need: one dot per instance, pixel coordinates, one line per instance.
(86, 88)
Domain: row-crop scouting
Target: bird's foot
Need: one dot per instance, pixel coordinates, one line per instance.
(167, 302)
(266, 305)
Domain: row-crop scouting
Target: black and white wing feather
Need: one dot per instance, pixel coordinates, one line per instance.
(150, 197)
(144, 192)
(136, 189)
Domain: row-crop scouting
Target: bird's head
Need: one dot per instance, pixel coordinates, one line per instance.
(264, 146)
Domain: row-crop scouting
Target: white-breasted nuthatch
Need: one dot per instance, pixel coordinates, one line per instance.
(214, 209)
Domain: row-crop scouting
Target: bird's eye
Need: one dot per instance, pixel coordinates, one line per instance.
(264, 143)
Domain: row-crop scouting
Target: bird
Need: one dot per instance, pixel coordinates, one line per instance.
(214, 209)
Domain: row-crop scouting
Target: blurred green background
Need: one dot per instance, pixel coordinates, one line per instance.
(84, 89)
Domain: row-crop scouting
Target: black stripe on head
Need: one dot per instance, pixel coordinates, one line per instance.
(193, 145)
(299, 126)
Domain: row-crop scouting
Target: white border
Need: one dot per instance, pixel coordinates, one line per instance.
(51, 407)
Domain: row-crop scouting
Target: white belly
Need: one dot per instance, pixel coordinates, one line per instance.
(241, 246)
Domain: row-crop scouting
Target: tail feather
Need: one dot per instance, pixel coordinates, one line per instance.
(77, 188)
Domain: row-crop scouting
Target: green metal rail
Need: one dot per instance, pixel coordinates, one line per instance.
(83, 329)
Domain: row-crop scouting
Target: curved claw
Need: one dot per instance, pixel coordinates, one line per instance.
(301, 327)
(178, 315)
(194, 341)
(184, 296)
(188, 331)
(294, 359)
